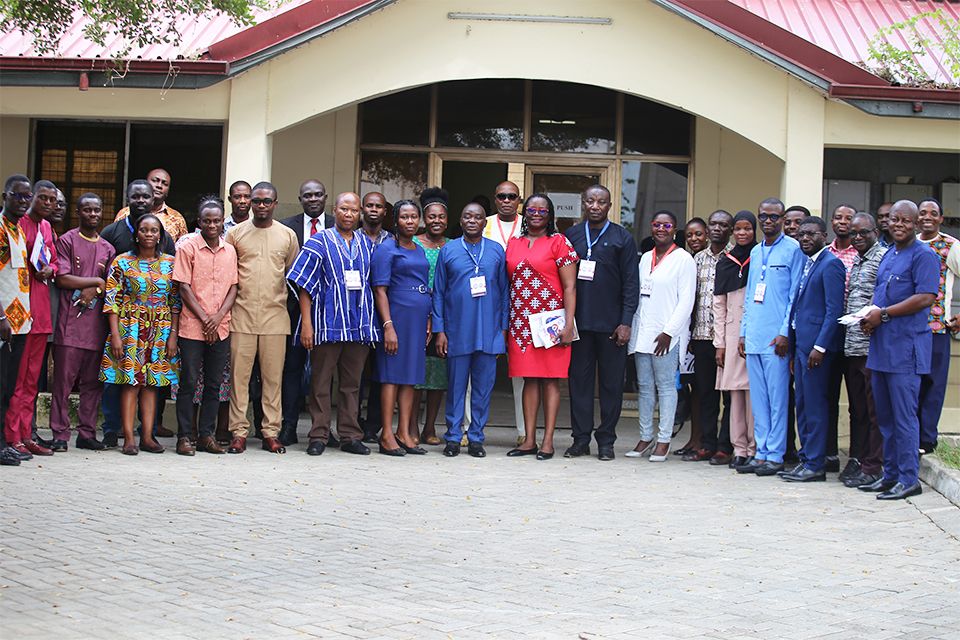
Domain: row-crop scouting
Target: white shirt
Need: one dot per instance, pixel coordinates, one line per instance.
(500, 231)
(308, 222)
(667, 308)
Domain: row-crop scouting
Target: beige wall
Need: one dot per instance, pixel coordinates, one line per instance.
(847, 126)
(14, 146)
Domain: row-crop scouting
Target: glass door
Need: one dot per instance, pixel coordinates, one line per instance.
(565, 187)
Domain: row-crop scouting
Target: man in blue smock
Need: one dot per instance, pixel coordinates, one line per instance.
(908, 281)
(764, 336)
(471, 314)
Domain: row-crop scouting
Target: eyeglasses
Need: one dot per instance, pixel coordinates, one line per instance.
(534, 211)
(507, 196)
(22, 197)
(662, 225)
(808, 234)
(772, 217)
(866, 233)
(259, 201)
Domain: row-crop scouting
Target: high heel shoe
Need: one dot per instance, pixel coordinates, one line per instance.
(640, 454)
(398, 452)
(415, 450)
(663, 458)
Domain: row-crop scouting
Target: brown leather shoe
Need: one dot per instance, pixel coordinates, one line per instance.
(36, 449)
(209, 445)
(720, 458)
(184, 447)
(163, 432)
(237, 445)
(698, 456)
(273, 446)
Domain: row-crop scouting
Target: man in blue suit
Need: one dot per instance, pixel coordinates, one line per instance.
(815, 340)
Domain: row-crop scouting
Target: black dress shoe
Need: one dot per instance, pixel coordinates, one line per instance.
(110, 440)
(832, 464)
(370, 436)
(879, 486)
(542, 455)
(805, 475)
(398, 452)
(316, 448)
(851, 470)
(475, 449)
(749, 466)
(860, 480)
(288, 436)
(452, 449)
(900, 491)
(513, 453)
(738, 461)
(354, 446)
(768, 468)
(796, 469)
(333, 442)
(926, 448)
(57, 445)
(577, 449)
(606, 453)
(683, 452)
(88, 443)
(414, 450)
(9, 457)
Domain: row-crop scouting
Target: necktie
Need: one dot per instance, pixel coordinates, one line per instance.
(313, 227)
(806, 270)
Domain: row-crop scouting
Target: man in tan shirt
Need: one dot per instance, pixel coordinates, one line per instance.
(259, 324)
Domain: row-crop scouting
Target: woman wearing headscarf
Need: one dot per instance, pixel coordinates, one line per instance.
(728, 297)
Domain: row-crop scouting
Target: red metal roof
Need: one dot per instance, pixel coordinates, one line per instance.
(844, 27)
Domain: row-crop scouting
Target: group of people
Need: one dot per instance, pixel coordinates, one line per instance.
(238, 312)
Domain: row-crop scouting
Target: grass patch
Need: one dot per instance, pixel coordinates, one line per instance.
(950, 456)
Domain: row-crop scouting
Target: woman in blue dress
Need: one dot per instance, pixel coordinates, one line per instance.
(399, 275)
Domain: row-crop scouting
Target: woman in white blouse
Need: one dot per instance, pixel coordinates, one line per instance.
(668, 285)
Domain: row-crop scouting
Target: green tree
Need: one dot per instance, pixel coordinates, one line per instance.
(139, 22)
(902, 64)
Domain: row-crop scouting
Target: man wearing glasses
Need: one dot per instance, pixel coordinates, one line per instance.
(259, 324)
(776, 267)
(501, 228)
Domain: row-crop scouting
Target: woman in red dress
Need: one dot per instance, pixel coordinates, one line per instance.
(542, 265)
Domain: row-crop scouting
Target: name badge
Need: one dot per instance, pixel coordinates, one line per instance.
(587, 268)
(478, 286)
(646, 288)
(759, 292)
(352, 278)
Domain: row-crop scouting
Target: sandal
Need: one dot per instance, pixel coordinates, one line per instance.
(433, 440)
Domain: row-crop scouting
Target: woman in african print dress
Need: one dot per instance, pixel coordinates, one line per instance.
(142, 306)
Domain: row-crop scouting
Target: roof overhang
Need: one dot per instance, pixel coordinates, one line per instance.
(68, 72)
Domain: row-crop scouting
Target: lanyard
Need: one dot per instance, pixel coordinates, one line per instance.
(129, 226)
(765, 255)
(351, 251)
(506, 238)
(740, 264)
(657, 263)
(476, 261)
(590, 243)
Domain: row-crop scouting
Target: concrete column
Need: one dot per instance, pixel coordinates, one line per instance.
(802, 181)
(249, 148)
(705, 171)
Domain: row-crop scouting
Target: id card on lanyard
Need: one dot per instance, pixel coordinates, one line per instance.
(761, 289)
(478, 283)
(351, 276)
(588, 266)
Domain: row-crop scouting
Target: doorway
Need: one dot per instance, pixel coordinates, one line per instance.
(466, 181)
(565, 187)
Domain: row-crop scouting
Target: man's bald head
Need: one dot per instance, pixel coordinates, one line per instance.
(905, 208)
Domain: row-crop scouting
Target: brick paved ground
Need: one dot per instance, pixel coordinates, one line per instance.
(342, 546)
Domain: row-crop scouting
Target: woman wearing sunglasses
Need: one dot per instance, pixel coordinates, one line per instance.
(668, 285)
(542, 265)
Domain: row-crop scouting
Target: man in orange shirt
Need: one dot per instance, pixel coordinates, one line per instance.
(173, 223)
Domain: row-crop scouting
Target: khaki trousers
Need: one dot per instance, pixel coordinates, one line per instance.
(347, 358)
(244, 349)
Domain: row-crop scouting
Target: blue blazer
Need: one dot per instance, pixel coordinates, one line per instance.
(817, 305)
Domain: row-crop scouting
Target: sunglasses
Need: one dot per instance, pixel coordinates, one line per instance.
(22, 197)
(507, 196)
(772, 217)
(266, 201)
(534, 211)
(662, 225)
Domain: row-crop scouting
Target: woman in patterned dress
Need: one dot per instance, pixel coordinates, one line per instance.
(542, 265)
(432, 239)
(142, 306)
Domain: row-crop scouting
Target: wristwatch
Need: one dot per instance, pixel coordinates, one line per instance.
(884, 316)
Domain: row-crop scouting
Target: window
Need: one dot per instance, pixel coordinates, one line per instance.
(400, 118)
(397, 176)
(480, 114)
(573, 117)
(654, 129)
(648, 187)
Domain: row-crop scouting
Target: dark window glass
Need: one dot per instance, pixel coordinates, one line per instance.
(480, 114)
(573, 118)
(82, 157)
(654, 129)
(648, 187)
(401, 118)
(397, 176)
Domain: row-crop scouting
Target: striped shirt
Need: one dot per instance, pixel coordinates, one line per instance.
(338, 315)
(863, 280)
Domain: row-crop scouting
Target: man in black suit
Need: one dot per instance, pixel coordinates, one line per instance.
(815, 339)
(313, 199)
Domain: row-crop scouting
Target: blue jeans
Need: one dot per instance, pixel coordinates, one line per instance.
(110, 405)
(661, 372)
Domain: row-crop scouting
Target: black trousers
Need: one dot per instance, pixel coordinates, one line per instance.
(591, 349)
(214, 357)
(10, 354)
(294, 364)
(838, 371)
(705, 373)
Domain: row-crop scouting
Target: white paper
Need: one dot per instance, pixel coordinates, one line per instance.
(545, 328)
(857, 316)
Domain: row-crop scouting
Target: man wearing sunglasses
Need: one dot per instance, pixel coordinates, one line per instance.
(777, 264)
(501, 228)
(259, 323)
